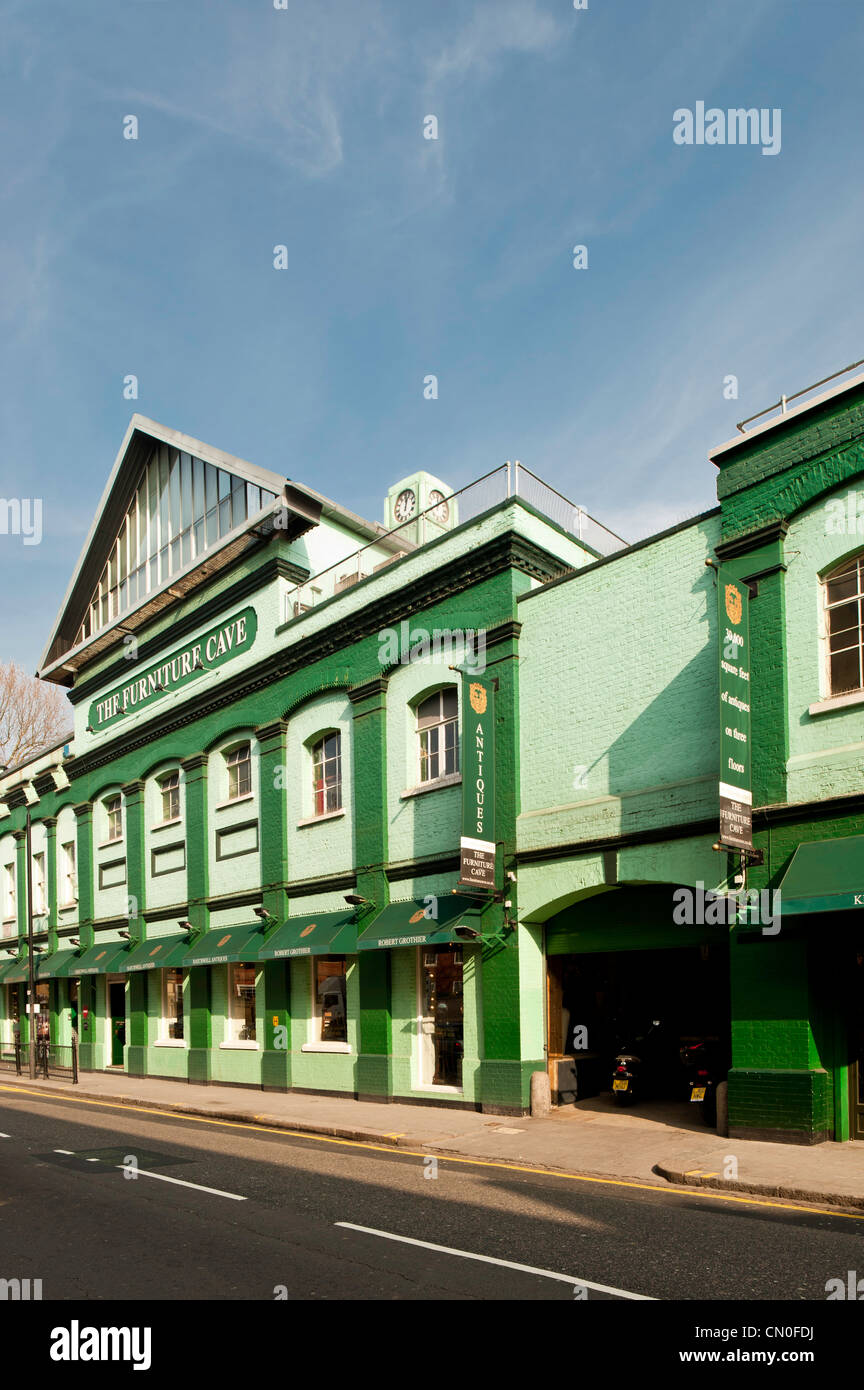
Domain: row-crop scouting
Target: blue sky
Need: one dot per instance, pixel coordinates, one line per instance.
(407, 256)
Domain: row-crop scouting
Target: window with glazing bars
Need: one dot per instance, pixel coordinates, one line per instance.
(327, 774)
(844, 603)
(438, 734)
(239, 761)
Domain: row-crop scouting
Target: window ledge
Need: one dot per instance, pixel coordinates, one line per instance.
(234, 801)
(68, 907)
(452, 779)
(316, 820)
(169, 1042)
(166, 825)
(855, 697)
(326, 1047)
(110, 844)
(239, 1046)
(434, 1090)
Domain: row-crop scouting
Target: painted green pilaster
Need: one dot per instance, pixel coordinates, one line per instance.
(87, 989)
(136, 851)
(274, 829)
(374, 1060)
(21, 871)
(504, 1072)
(276, 1056)
(50, 823)
(136, 1007)
(197, 878)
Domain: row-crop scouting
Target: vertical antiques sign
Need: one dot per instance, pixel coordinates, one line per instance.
(736, 797)
(477, 845)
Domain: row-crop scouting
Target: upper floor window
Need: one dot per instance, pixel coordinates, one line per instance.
(169, 790)
(438, 734)
(844, 603)
(69, 883)
(239, 764)
(9, 891)
(40, 903)
(114, 817)
(327, 774)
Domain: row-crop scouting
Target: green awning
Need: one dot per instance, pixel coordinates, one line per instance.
(225, 945)
(313, 934)
(100, 959)
(18, 972)
(407, 924)
(824, 876)
(6, 968)
(162, 953)
(59, 966)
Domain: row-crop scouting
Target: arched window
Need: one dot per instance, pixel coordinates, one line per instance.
(238, 761)
(844, 604)
(169, 792)
(438, 734)
(327, 774)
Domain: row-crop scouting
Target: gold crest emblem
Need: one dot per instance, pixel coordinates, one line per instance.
(477, 694)
(734, 607)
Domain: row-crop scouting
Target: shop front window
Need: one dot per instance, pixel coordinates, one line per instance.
(172, 1012)
(242, 1003)
(441, 1023)
(330, 1012)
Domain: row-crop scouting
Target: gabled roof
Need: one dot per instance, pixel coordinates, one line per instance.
(64, 653)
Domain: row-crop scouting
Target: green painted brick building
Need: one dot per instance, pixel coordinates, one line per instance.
(245, 858)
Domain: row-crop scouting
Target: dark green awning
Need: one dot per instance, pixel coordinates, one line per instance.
(100, 959)
(406, 923)
(19, 972)
(313, 934)
(59, 966)
(6, 968)
(225, 945)
(162, 953)
(824, 876)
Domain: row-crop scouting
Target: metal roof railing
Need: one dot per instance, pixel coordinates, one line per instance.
(508, 480)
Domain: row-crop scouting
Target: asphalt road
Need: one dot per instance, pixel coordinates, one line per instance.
(261, 1215)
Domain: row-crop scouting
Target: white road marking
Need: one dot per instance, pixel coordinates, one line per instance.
(68, 1152)
(178, 1182)
(506, 1264)
(93, 1160)
(5, 1136)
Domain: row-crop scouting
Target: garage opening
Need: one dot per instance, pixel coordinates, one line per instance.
(657, 993)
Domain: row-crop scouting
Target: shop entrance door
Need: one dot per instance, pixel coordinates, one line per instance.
(117, 1012)
(441, 1025)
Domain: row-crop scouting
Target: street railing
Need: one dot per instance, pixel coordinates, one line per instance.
(52, 1059)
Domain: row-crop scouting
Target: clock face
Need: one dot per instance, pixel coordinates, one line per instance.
(440, 508)
(406, 505)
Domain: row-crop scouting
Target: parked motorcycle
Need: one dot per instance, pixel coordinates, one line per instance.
(644, 1066)
(704, 1062)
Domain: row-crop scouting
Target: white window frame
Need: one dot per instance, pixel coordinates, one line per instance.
(165, 1019)
(315, 1042)
(108, 802)
(235, 1017)
(438, 725)
(234, 759)
(70, 873)
(834, 574)
(40, 884)
(10, 899)
(170, 791)
(314, 744)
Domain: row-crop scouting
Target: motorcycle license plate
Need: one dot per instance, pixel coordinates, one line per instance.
(698, 1093)
(620, 1085)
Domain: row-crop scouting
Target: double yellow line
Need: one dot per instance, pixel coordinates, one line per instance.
(688, 1192)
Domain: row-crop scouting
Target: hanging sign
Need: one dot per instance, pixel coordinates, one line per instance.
(477, 845)
(736, 796)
